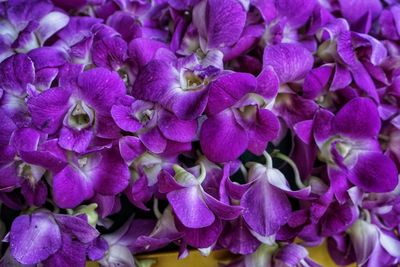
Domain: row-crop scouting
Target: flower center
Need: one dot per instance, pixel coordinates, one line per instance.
(145, 116)
(81, 116)
(248, 112)
(191, 81)
(24, 170)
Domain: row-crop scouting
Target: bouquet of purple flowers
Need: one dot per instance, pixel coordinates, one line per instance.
(257, 126)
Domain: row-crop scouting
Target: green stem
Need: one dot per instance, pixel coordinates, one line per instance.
(285, 158)
(156, 211)
(268, 159)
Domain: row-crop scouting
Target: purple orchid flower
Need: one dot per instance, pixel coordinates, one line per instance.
(219, 23)
(153, 125)
(29, 24)
(372, 246)
(267, 186)
(237, 118)
(82, 112)
(352, 153)
(163, 233)
(205, 219)
(52, 239)
(77, 177)
(185, 186)
(180, 86)
(144, 169)
(123, 242)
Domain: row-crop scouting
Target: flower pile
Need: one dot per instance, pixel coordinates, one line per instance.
(257, 126)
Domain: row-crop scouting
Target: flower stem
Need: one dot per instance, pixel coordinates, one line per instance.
(156, 211)
(285, 158)
(268, 159)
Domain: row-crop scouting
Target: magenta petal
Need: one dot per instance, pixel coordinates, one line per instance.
(315, 81)
(100, 88)
(138, 192)
(201, 237)
(175, 129)
(153, 140)
(291, 62)
(167, 183)
(50, 156)
(267, 83)
(105, 126)
(123, 117)
(186, 105)
(11, 79)
(225, 20)
(190, 208)
(338, 218)
(304, 131)
(50, 24)
(362, 115)
(112, 175)
(44, 57)
(348, 9)
(142, 50)
(261, 131)
(345, 49)
(291, 255)
(72, 253)
(25, 139)
(223, 211)
(70, 188)
(78, 227)
(109, 52)
(364, 81)
(49, 108)
(130, 148)
(341, 78)
(238, 239)
(339, 184)
(222, 138)
(73, 140)
(266, 207)
(374, 172)
(154, 81)
(277, 179)
(44, 78)
(297, 12)
(323, 121)
(34, 238)
(228, 89)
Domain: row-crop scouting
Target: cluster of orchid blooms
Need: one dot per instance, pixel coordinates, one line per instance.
(163, 102)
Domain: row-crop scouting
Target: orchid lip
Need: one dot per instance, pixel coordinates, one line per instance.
(145, 116)
(25, 170)
(191, 81)
(248, 112)
(327, 51)
(80, 116)
(343, 148)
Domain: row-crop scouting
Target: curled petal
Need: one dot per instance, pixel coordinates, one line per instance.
(34, 238)
(190, 208)
(49, 108)
(362, 115)
(291, 62)
(266, 208)
(222, 138)
(374, 172)
(228, 89)
(11, 79)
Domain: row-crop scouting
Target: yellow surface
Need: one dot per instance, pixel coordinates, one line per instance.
(195, 259)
